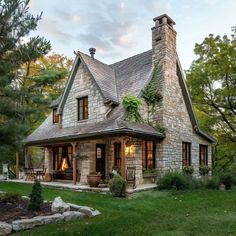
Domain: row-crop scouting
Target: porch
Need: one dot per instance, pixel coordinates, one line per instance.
(74, 161)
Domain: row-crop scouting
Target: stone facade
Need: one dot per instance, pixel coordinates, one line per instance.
(82, 86)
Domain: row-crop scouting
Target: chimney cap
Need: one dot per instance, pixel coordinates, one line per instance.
(92, 51)
(159, 18)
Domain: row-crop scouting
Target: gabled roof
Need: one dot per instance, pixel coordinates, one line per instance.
(128, 76)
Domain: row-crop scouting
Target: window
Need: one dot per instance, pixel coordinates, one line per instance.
(55, 117)
(117, 155)
(148, 155)
(186, 154)
(83, 108)
(203, 157)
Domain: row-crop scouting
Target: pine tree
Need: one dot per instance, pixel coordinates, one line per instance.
(36, 198)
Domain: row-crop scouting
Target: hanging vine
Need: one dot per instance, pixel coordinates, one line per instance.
(132, 105)
(152, 92)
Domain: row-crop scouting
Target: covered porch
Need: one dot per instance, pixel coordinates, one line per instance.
(72, 161)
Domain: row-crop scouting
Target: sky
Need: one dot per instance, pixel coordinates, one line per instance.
(122, 28)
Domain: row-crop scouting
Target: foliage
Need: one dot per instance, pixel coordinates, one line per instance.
(212, 183)
(151, 172)
(204, 170)
(36, 198)
(212, 81)
(11, 197)
(173, 180)
(29, 80)
(152, 92)
(132, 105)
(188, 170)
(227, 179)
(117, 186)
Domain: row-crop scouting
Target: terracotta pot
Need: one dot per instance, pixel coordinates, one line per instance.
(94, 180)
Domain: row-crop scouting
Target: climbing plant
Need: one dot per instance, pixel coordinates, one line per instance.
(152, 92)
(132, 105)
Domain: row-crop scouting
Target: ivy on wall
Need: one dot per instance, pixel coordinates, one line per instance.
(132, 104)
(152, 92)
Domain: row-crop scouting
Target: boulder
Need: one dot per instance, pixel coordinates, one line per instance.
(24, 224)
(76, 207)
(73, 215)
(5, 228)
(88, 211)
(58, 206)
(52, 218)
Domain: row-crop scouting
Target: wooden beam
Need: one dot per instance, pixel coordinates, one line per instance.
(17, 165)
(74, 163)
(123, 172)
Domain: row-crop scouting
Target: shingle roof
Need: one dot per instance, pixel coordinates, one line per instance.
(128, 76)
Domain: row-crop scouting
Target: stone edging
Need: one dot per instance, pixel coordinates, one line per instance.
(79, 213)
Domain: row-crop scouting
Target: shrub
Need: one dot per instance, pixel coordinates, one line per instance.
(204, 170)
(10, 197)
(36, 198)
(117, 186)
(173, 180)
(212, 183)
(188, 170)
(227, 179)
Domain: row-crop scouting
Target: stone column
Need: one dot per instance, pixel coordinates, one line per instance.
(48, 163)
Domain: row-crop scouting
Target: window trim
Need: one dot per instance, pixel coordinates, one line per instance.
(85, 114)
(205, 163)
(184, 158)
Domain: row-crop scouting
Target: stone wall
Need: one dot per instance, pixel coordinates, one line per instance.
(83, 85)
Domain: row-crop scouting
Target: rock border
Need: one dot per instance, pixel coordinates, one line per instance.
(79, 213)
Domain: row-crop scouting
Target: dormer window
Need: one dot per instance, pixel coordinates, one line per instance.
(55, 117)
(83, 108)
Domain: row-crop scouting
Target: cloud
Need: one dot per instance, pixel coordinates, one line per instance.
(52, 27)
(67, 16)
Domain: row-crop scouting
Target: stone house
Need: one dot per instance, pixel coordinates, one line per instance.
(89, 120)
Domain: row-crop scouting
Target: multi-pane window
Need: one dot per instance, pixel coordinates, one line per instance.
(148, 156)
(55, 117)
(117, 155)
(203, 157)
(186, 154)
(83, 108)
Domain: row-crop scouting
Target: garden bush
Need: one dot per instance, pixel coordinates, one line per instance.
(204, 170)
(212, 183)
(11, 197)
(117, 186)
(36, 198)
(173, 180)
(227, 179)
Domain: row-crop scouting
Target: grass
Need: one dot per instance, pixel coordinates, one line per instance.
(148, 213)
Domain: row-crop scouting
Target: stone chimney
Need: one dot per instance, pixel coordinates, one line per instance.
(92, 52)
(164, 40)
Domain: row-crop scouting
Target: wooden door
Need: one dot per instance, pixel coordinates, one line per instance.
(101, 159)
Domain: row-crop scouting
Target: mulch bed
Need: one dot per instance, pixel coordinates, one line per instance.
(19, 210)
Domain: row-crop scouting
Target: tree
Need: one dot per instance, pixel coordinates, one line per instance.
(212, 84)
(36, 198)
(15, 23)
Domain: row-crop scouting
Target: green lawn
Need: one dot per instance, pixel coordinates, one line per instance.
(149, 213)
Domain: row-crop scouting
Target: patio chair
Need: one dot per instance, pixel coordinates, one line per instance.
(130, 176)
(29, 173)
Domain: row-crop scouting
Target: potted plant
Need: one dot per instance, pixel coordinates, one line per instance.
(204, 170)
(150, 175)
(188, 170)
(94, 179)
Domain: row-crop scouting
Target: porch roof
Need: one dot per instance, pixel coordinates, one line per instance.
(49, 133)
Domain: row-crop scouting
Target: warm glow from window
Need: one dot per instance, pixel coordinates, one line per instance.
(129, 150)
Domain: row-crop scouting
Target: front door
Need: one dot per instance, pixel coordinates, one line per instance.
(100, 159)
